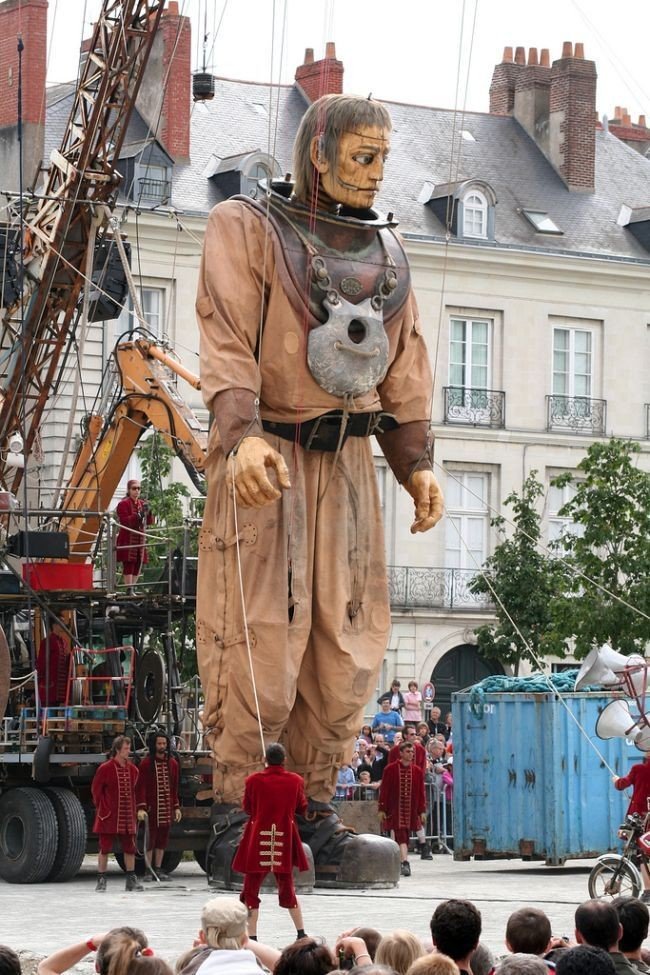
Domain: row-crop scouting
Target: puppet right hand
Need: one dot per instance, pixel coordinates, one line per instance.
(142, 815)
(248, 469)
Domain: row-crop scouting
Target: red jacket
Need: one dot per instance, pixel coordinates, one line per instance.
(271, 841)
(401, 796)
(639, 778)
(130, 545)
(113, 792)
(420, 758)
(157, 790)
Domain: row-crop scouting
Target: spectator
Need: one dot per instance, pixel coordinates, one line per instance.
(387, 721)
(412, 704)
(399, 950)
(366, 733)
(350, 948)
(345, 782)
(394, 697)
(123, 951)
(434, 964)
(449, 723)
(9, 961)
(521, 964)
(422, 732)
(482, 960)
(420, 752)
(305, 956)
(528, 931)
(455, 930)
(634, 917)
(222, 933)
(436, 726)
(585, 960)
(379, 759)
(365, 788)
(370, 937)
(360, 753)
(597, 924)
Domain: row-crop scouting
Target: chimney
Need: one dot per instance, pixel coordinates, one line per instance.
(168, 80)
(531, 97)
(324, 77)
(28, 18)
(572, 106)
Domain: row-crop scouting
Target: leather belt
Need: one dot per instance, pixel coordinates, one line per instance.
(326, 431)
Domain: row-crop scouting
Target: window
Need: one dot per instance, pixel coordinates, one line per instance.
(250, 179)
(560, 527)
(380, 471)
(475, 210)
(572, 362)
(541, 222)
(152, 184)
(152, 303)
(467, 521)
(469, 353)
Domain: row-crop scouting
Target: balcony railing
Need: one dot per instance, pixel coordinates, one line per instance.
(578, 414)
(475, 407)
(433, 588)
(157, 190)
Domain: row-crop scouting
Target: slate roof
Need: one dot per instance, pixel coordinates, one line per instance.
(236, 122)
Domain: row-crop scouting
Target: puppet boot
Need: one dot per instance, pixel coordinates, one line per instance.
(343, 858)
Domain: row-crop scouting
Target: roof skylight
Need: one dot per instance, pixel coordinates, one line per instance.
(541, 222)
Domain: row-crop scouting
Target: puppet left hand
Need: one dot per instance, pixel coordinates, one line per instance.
(178, 815)
(429, 502)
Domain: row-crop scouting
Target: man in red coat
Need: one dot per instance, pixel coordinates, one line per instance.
(157, 798)
(130, 546)
(113, 792)
(639, 778)
(271, 842)
(402, 803)
(419, 759)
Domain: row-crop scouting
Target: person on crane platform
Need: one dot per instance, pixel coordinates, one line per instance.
(311, 342)
(131, 545)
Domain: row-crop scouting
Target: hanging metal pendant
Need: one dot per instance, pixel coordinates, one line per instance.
(348, 354)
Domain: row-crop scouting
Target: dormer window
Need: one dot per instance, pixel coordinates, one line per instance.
(147, 173)
(251, 177)
(242, 173)
(475, 210)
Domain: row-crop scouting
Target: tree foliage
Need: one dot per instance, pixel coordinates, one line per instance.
(609, 555)
(165, 499)
(522, 581)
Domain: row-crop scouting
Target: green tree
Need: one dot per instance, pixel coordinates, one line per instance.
(608, 554)
(523, 580)
(165, 499)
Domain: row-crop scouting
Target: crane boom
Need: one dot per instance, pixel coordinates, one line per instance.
(82, 186)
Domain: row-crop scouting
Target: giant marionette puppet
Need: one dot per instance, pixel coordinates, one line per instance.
(310, 343)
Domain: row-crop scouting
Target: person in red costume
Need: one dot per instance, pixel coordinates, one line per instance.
(639, 779)
(52, 667)
(157, 798)
(131, 547)
(113, 792)
(419, 759)
(271, 842)
(402, 803)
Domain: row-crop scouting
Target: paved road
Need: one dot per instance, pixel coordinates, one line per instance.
(41, 918)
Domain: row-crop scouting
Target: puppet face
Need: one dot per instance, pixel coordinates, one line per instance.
(359, 170)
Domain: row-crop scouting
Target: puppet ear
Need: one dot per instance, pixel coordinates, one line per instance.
(316, 155)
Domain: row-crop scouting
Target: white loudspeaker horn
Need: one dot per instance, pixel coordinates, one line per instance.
(602, 666)
(615, 721)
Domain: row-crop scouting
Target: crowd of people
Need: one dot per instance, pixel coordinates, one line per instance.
(607, 940)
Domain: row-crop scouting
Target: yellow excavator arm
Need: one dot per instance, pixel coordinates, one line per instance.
(149, 398)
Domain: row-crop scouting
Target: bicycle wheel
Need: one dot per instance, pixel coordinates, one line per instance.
(612, 877)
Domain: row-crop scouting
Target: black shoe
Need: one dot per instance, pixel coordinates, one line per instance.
(100, 886)
(132, 882)
(405, 869)
(425, 852)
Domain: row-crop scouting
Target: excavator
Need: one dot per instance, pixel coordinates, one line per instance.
(48, 755)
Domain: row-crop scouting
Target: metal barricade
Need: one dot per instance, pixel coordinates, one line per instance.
(440, 818)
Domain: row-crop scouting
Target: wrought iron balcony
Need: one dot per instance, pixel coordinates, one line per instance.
(475, 407)
(578, 414)
(157, 190)
(433, 588)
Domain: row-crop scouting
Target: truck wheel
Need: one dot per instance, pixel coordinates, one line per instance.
(71, 822)
(27, 836)
(5, 672)
(171, 859)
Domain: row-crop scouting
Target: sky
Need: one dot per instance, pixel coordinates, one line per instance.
(425, 52)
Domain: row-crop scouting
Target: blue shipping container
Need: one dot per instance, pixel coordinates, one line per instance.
(528, 781)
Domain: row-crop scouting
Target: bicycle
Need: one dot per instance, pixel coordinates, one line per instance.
(619, 874)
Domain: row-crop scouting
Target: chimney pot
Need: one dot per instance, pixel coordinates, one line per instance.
(567, 49)
(330, 50)
(322, 77)
(642, 121)
(507, 55)
(172, 8)
(580, 50)
(627, 120)
(520, 55)
(545, 58)
(309, 55)
(532, 56)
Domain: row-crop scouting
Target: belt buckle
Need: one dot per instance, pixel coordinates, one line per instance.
(332, 432)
